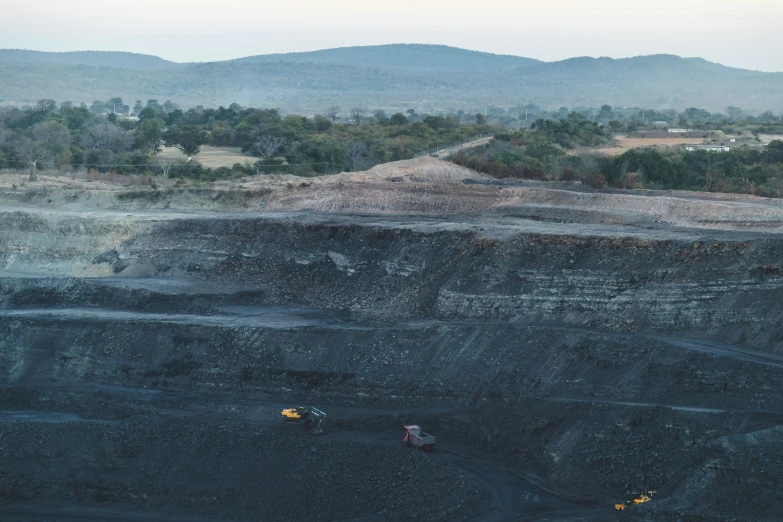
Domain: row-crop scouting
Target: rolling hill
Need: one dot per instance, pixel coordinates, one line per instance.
(394, 77)
(93, 58)
(404, 56)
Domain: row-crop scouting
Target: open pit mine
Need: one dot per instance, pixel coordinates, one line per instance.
(559, 352)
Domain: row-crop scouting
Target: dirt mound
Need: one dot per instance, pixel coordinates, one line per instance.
(425, 186)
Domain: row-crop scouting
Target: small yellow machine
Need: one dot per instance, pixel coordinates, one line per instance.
(640, 499)
(308, 415)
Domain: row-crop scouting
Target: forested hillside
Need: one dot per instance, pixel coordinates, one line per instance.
(393, 77)
(91, 58)
(405, 56)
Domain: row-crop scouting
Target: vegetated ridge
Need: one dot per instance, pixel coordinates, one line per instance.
(121, 60)
(390, 76)
(403, 56)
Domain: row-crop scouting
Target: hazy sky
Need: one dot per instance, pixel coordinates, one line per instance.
(741, 33)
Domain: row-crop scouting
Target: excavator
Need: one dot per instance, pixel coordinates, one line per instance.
(642, 498)
(308, 415)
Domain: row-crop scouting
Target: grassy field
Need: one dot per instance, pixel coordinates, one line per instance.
(625, 143)
(212, 157)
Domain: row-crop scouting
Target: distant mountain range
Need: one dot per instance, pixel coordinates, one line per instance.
(93, 58)
(393, 77)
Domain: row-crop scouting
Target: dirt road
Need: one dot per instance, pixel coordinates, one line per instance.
(445, 153)
(514, 494)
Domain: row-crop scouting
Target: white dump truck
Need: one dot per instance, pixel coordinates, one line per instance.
(415, 438)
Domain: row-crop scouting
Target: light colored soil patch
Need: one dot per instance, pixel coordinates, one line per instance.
(420, 187)
(625, 144)
(766, 138)
(212, 157)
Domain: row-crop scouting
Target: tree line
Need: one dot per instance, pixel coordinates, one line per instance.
(731, 120)
(558, 150)
(101, 137)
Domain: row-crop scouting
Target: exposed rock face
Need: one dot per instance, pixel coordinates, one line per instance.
(596, 350)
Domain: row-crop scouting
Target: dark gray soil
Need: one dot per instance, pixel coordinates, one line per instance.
(563, 366)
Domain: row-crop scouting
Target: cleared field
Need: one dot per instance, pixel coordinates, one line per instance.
(766, 138)
(212, 157)
(624, 143)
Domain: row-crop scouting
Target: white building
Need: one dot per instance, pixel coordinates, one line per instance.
(708, 148)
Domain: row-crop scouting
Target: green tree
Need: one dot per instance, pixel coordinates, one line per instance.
(615, 126)
(398, 119)
(46, 105)
(53, 135)
(76, 117)
(322, 123)
(115, 106)
(774, 151)
(98, 107)
(734, 113)
(695, 115)
(188, 139)
(147, 113)
(149, 135)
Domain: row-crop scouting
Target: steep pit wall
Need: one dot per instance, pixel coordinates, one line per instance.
(709, 286)
(387, 305)
(578, 352)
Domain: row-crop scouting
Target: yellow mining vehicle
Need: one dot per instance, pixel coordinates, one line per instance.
(639, 499)
(308, 415)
